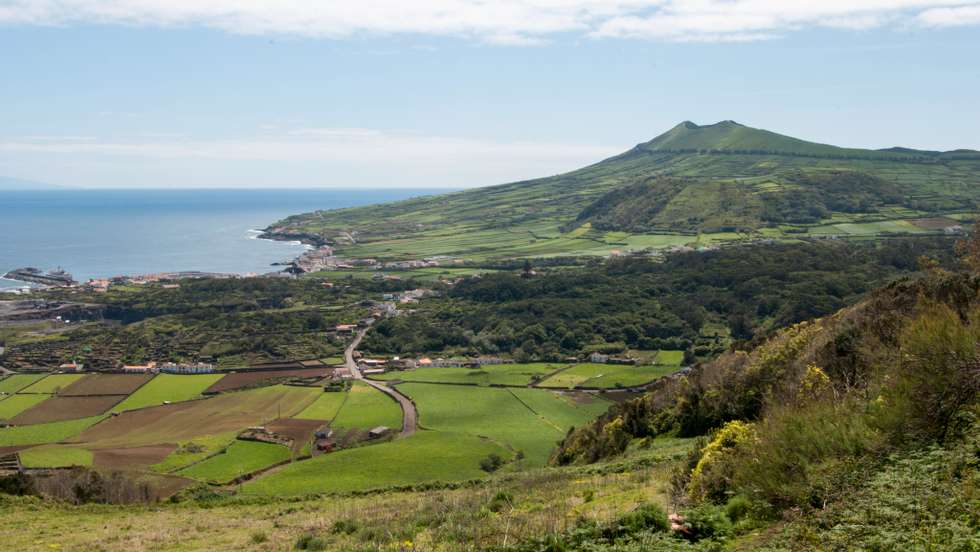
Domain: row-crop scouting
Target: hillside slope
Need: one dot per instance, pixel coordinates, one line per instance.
(829, 425)
(711, 179)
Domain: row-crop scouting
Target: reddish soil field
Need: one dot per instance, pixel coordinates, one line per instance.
(935, 223)
(239, 380)
(131, 457)
(10, 450)
(57, 409)
(300, 431)
(106, 384)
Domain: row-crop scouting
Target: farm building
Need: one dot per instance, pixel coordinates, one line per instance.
(379, 431)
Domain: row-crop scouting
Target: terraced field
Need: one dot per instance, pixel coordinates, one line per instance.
(239, 459)
(502, 415)
(52, 384)
(366, 408)
(15, 404)
(426, 456)
(497, 374)
(326, 407)
(168, 388)
(606, 376)
(16, 382)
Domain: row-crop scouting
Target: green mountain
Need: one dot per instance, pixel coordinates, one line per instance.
(691, 185)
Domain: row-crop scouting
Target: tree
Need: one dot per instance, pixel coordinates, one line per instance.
(968, 250)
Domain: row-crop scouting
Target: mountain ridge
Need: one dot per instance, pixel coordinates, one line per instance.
(722, 178)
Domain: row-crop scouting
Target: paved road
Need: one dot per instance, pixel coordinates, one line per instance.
(410, 416)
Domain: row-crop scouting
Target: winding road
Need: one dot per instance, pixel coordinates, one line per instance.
(410, 416)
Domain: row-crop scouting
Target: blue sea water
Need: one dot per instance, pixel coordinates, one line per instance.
(101, 233)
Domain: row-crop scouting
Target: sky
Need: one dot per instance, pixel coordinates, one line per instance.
(458, 93)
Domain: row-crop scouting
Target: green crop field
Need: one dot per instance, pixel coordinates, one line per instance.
(55, 456)
(498, 414)
(15, 404)
(669, 358)
(424, 457)
(52, 383)
(40, 434)
(194, 450)
(561, 409)
(606, 376)
(366, 407)
(16, 382)
(325, 407)
(500, 374)
(168, 387)
(240, 458)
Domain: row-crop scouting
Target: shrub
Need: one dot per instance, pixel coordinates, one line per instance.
(711, 478)
(645, 518)
(310, 542)
(491, 463)
(501, 500)
(258, 537)
(344, 526)
(708, 521)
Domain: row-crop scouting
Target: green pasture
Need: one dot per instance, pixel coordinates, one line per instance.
(669, 358)
(563, 410)
(495, 413)
(240, 458)
(15, 404)
(40, 434)
(52, 383)
(606, 376)
(194, 450)
(499, 374)
(366, 407)
(16, 382)
(168, 387)
(55, 456)
(325, 407)
(424, 457)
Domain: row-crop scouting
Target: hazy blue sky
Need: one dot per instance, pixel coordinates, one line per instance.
(458, 93)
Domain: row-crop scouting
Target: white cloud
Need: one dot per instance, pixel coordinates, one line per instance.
(951, 17)
(509, 22)
(401, 158)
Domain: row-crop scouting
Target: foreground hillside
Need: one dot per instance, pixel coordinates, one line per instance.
(853, 431)
(695, 185)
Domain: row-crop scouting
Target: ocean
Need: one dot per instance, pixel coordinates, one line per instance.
(102, 233)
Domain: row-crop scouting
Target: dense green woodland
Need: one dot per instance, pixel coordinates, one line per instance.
(236, 322)
(691, 301)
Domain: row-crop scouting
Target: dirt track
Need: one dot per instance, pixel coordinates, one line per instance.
(410, 415)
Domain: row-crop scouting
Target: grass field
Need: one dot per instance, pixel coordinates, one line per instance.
(240, 458)
(366, 408)
(194, 450)
(325, 407)
(168, 387)
(606, 376)
(15, 404)
(501, 374)
(425, 456)
(45, 433)
(563, 410)
(498, 414)
(16, 382)
(55, 457)
(52, 383)
(669, 358)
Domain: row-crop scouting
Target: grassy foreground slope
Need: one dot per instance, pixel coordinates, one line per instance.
(721, 181)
